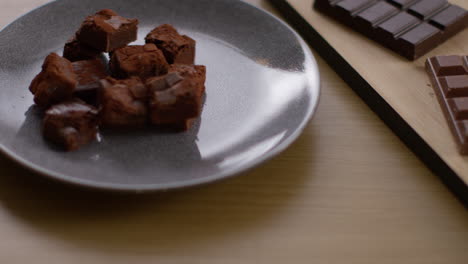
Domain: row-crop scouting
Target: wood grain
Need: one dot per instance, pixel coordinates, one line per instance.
(402, 83)
(347, 191)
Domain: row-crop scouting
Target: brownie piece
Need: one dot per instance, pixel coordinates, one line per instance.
(123, 102)
(142, 61)
(176, 48)
(197, 72)
(88, 74)
(107, 31)
(55, 83)
(76, 51)
(174, 100)
(70, 124)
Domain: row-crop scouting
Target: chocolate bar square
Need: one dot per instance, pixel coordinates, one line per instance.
(176, 48)
(123, 102)
(409, 27)
(55, 83)
(142, 61)
(449, 77)
(70, 124)
(451, 20)
(107, 31)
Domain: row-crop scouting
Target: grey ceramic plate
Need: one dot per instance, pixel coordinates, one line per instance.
(262, 89)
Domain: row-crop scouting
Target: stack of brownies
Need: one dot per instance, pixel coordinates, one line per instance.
(152, 84)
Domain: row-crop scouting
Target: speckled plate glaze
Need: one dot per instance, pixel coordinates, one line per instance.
(262, 89)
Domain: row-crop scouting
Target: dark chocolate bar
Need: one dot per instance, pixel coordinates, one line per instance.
(449, 77)
(409, 27)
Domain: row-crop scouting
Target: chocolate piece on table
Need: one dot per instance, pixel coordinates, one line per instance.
(449, 77)
(88, 74)
(176, 48)
(123, 102)
(70, 124)
(142, 61)
(197, 72)
(174, 100)
(55, 83)
(410, 28)
(107, 31)
(77, 51)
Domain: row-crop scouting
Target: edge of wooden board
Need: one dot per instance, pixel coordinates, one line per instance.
(374, 101)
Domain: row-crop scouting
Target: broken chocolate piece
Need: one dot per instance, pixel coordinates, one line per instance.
(449, 77)
(142, 61)
(409, 27)
(55, 83)
(197, 72)
(107, 31)
(176, 48)
(70, 124)
(76, 51)
(123, 102)
(88, 74)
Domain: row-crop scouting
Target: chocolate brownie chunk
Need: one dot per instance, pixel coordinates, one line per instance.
(142, 61)
(107, 31)
(88, 74)
(176, 48)
(123, 102)
(174, 100)
(70, 124)
(76, 51)
(197, 72)
(55, 83)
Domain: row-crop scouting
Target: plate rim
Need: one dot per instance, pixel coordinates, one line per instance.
(225, 174)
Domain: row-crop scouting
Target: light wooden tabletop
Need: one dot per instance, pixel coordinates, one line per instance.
(403, 84)
(348, 191)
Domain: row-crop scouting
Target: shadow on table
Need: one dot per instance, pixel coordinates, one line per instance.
(105, 221)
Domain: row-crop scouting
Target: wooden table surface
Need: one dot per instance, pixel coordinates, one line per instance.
(403, 84)
(348, 191)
